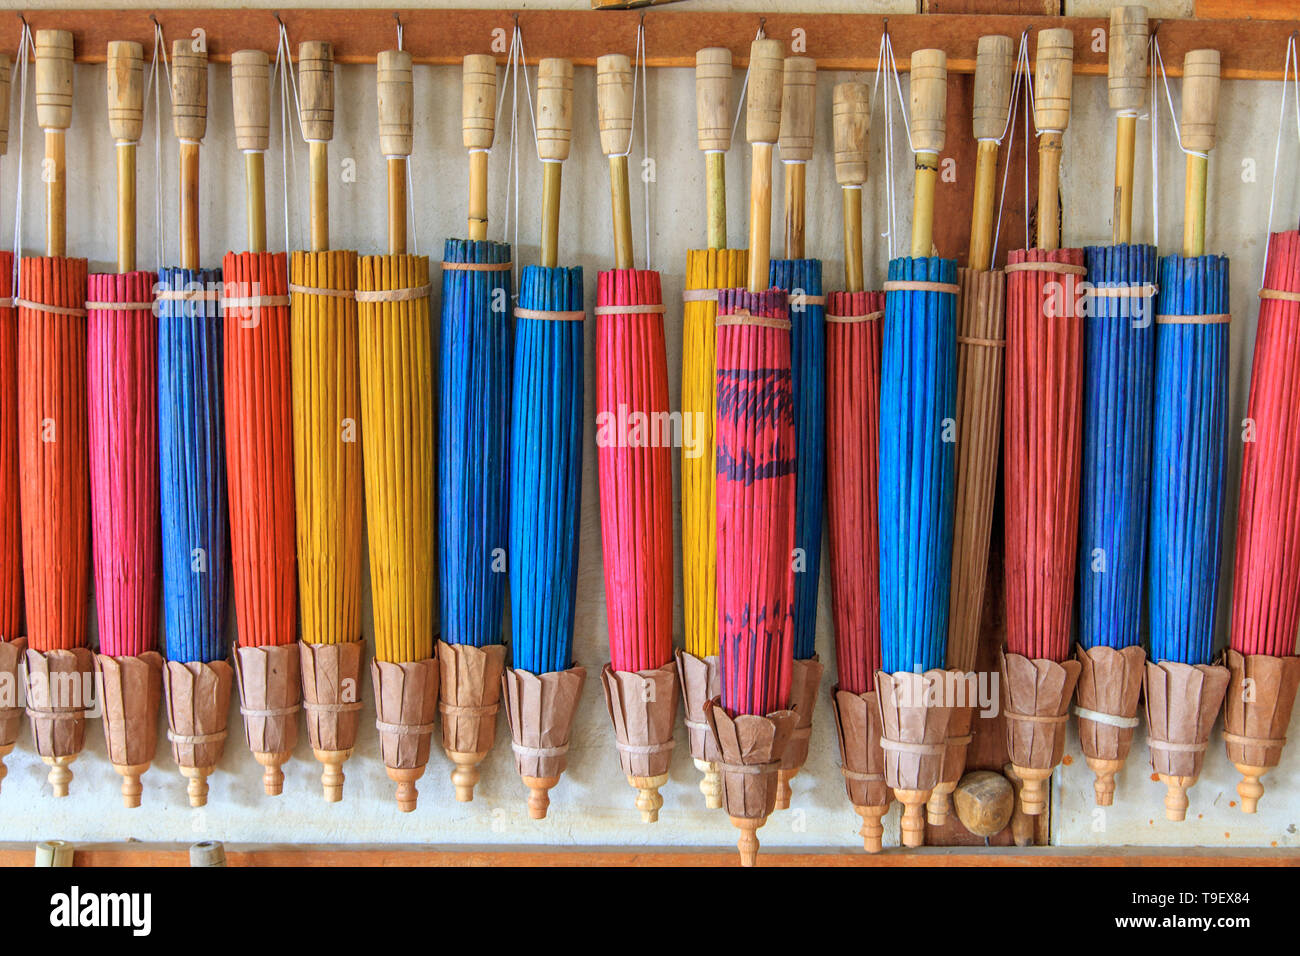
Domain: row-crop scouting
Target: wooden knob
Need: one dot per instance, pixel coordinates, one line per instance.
(250, 78)
(614, 102)
(125, 90)
(929, 100)
(851, 121)
(316, 86)
(478, 101)
(1053, 79)
(208, 853)
(984, 801)
(54, 853)
(1127, 64)
(554, 108)
(53, 79)
(763, 103)
(6, 66)
(1200, 113)
(798, 108)
(189, 91)
(396, 93)
(713, 98)
(995, 65)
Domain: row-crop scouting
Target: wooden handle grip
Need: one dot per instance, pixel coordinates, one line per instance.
(554, 108)
(1200, 113)
(713, 98)
(929, 100)
(798, 108)
(316, 86)
(1127, 58)
(6, 67)
(250, 81)
(396, 106)
(125, 90)
(614, 102)
(851, 121)
(995, 63)
(763, 105)
(1053, 79)
(189, 90)
(54, 79)
(478, 100)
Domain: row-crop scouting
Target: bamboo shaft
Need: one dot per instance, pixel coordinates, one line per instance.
(853, 280)
(760, 216)
(255, 198)
(1125, 134)
(796, 177)
(189, 176)
(56, 193)
(715, 170)
(551, 213)
(1194, 206)
(396, 205)
(981, 226)
(622, 209)
(927, 175)
(318, 176)
(478, 194)
(1049, 179)
(126, 207)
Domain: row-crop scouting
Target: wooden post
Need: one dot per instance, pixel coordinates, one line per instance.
(478, 106)
(851, 120)
(316, 114)
(554, 129)
(798, 115)
(1200, 116)
(250, 76)
(1127, 82)
(995, 63)
(396, 110)
(54, 114)
(762, 129)
(125, 120)
(1053, 85)
(190, 123)
(929, 100)
(713, 123)
(614, 108)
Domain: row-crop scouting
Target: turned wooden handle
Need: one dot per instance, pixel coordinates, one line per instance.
(478, 100)
(125, 90)
(6, 67)
(1127, 58)
(554, 108)
(614, 102)
(189, 91)
(1200, 113)
(396, 107)
(995, 64)
(763, 103)
(851, 121)
(316, 90)
(1053, 79)
(929, 100)
(250, 80)
(53, 79)
(713, 98)
(798, 108)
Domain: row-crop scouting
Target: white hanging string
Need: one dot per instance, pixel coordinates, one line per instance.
(288, 88)
(154, 82)
(1291, 68)
(514, 69)
(24, 51)
(644, 87)
(1022, 89)
(410, 178)
(885, 65)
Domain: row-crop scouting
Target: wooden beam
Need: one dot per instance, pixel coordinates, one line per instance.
(1251, 49)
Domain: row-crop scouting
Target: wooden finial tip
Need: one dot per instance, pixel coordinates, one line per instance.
(798, 108)
(1200, 112)
(763, 99)
(648, 800)
(554, 108)
(713, 98)
(1250, 789)
(465, 775)
(995, 64)
(53, 79)
(1053, 79)
(1033, 791)
(250, 78)
(405, 778)
(332, 776)
(59, 776)
(539, 798)
(873, 831)
(478, 101)
(912, 824)
(132, 788)
(939, 805)
(197, 789)
(396, 102)
(710, 784)
(316, 85)
(747, 841)
(272, 774)
(614, 102)
(850, 122)
(125, 72)
(1103, 783)
(783, 791)
(1176, 802)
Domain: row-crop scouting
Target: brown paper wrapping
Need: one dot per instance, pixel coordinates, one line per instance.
(955, 746)
(11, 712)
(130, 691)
(1110, 682)
(1256, 712)
(806, 678)
(540, 709)
(331, 693)
(470, 695)
(59, 684)
(862, 761)
(643, 708)
(700, 683)
(270, 696)
(197, 699)
(1035, 704)
(1182, 703)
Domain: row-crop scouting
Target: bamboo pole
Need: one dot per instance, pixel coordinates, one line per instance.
(125, 120)
(1053, 82)
(1127, 74)
(614, 108)
(762, 129)
(798, 117)
(250, 81)
(396, 93)
(713, 123)
(851, 111)
(554, 129)
(929, 103)
(190, 123)
(994, 66)
(1199, 116)
(478, 115)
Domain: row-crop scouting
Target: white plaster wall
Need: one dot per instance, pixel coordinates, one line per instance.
(593, 804)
